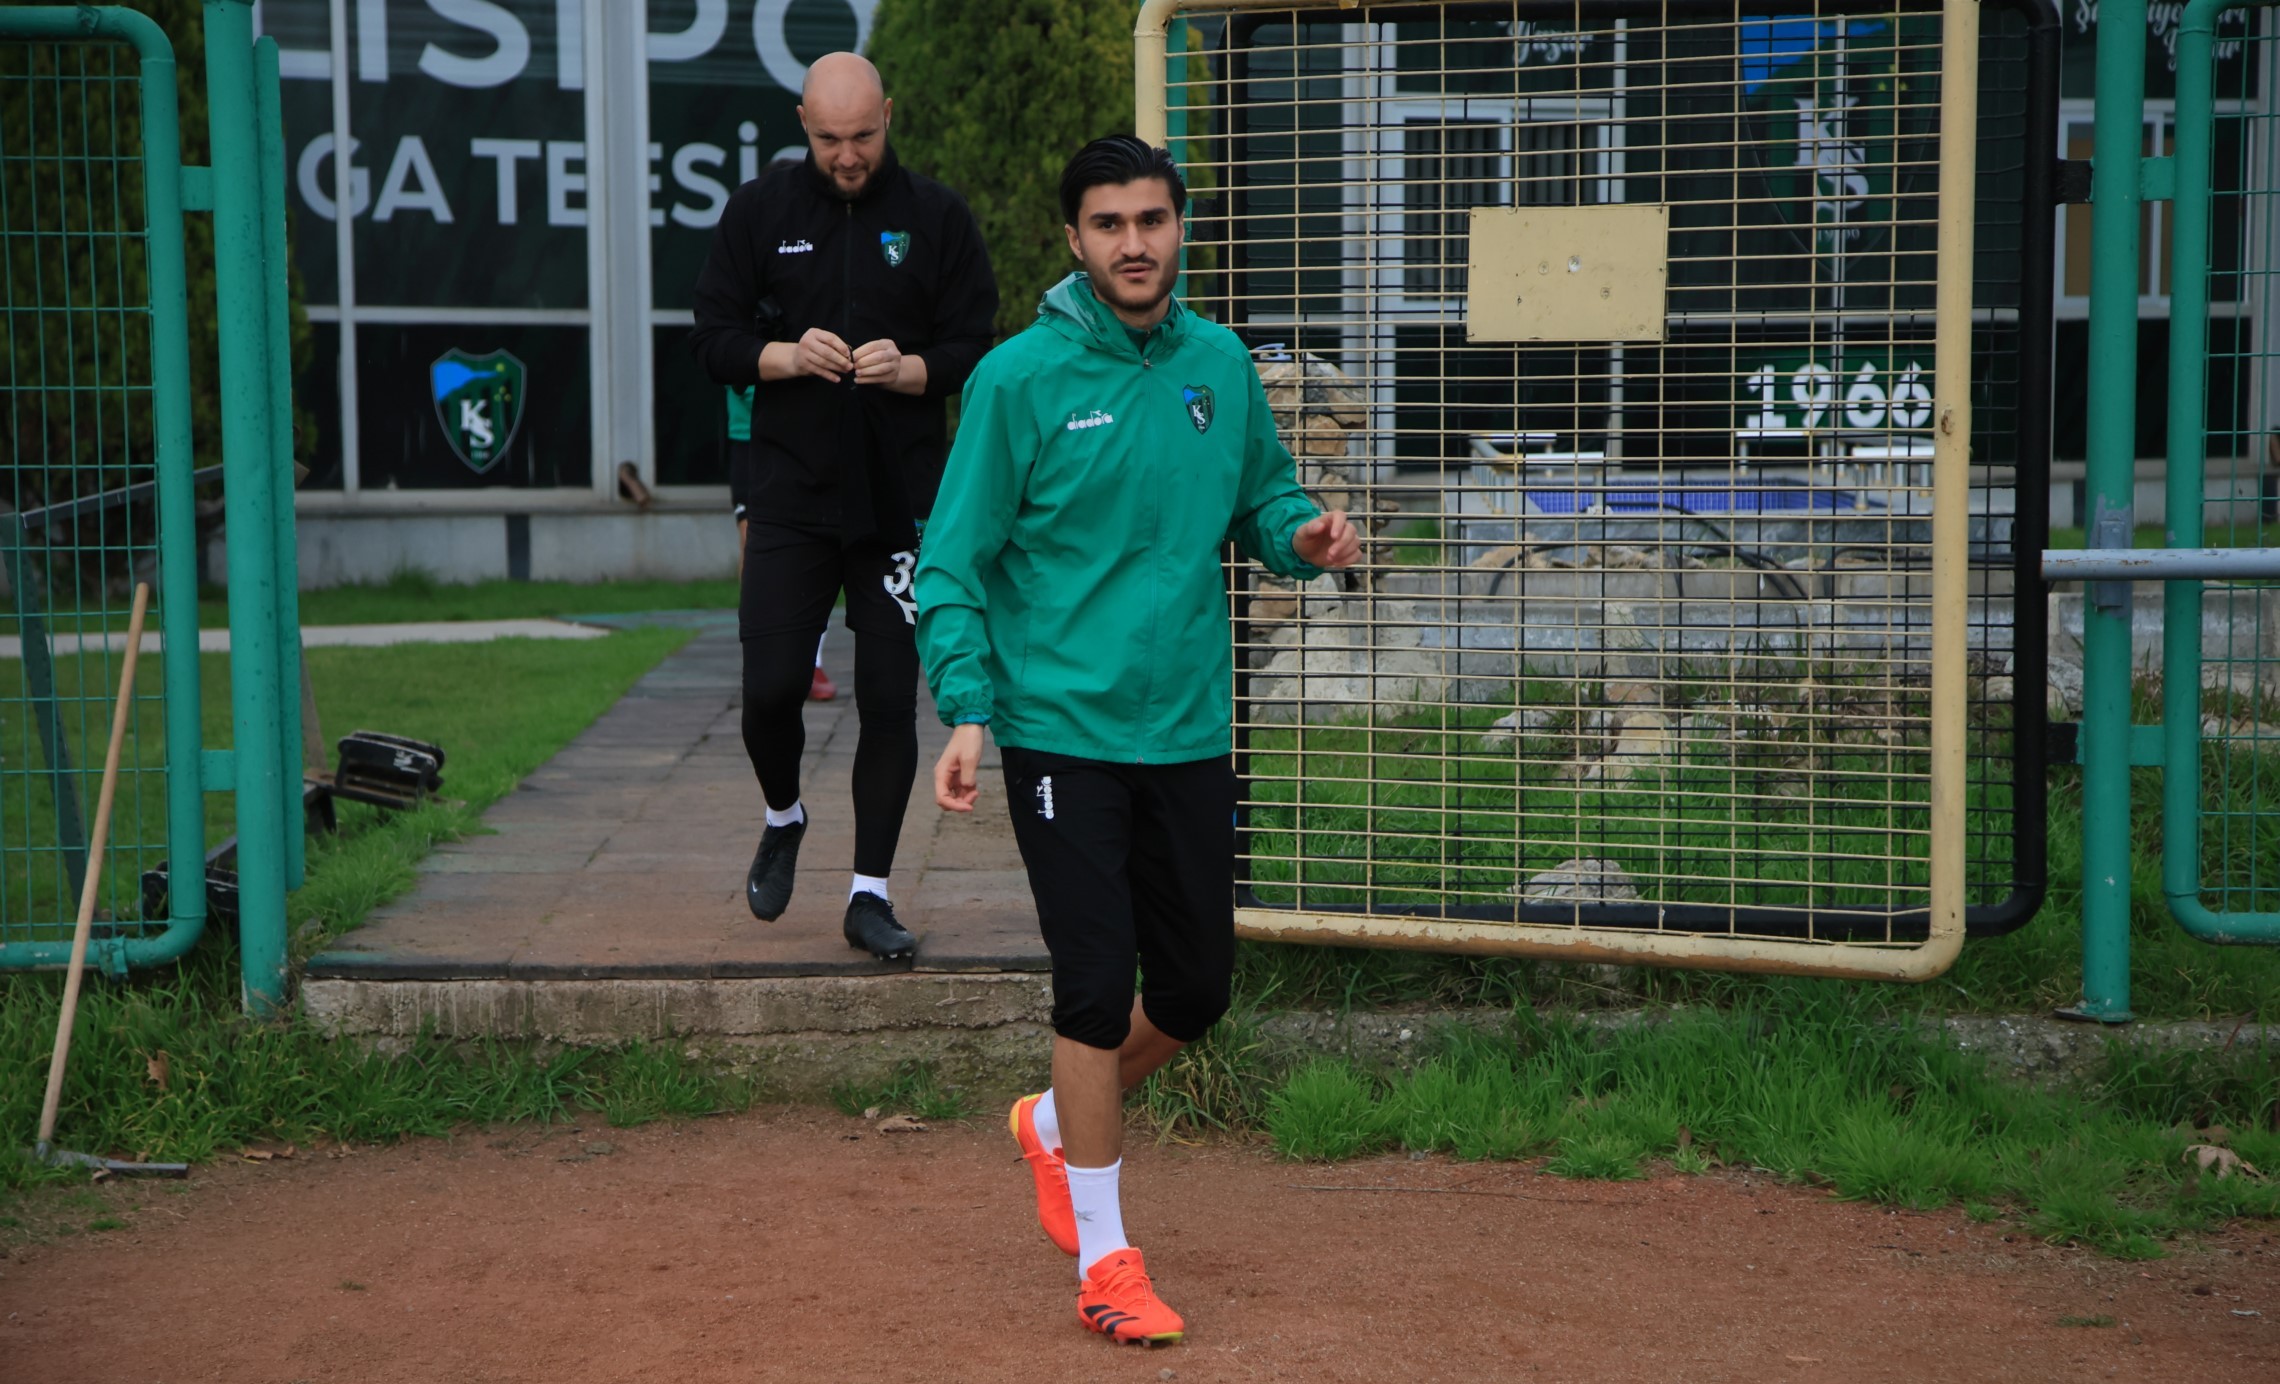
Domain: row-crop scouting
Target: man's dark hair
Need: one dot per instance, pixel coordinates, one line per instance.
(1113, 161)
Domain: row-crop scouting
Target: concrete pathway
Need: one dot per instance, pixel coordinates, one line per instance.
(623, 857)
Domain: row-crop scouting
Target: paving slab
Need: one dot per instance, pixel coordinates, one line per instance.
(623, 857)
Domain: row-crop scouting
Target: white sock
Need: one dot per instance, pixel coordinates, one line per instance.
(868, 884)
(797, 812)
(1100, 1216)
(819, 647)
(1048, 1121)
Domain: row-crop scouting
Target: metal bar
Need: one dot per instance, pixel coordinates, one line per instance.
(2030, 612)
(271, 134)
(2188, 445)
(48, 515)
(47, 711)
(2114, 202)
(177, 520)
(1951, 489)
(348, 313)
(2175, 565)
(451, 315)
(241, 304)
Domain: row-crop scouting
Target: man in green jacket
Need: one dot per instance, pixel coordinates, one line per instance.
(1071, 599)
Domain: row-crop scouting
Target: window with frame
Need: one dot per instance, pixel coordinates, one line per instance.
(2227, 220)
(1441, 159)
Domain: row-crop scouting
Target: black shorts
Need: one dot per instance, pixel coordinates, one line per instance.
(793, 575)
(1133, 867)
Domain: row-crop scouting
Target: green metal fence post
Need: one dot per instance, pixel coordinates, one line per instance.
(2112, 429)
(177, 519)
(250, 495)
(2188, 453)
(269, 116)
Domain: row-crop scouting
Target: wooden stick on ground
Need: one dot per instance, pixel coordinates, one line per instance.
(93, 882)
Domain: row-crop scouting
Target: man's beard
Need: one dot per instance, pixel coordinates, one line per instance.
(1112, 289)
(838, 189)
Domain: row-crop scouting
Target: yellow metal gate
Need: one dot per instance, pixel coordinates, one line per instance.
(1638, 335)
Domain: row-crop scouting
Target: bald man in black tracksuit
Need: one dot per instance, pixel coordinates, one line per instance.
(859, 297)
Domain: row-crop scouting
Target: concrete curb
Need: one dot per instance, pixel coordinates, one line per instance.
(988, 1033)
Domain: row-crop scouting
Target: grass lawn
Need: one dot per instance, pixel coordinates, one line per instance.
(454, 695)
(1342, 817)
(499, 710)
(2152, 536)
(1816, 1085)
(413, 596)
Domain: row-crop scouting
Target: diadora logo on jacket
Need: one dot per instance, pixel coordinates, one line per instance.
(1095, 419)
(793, 247)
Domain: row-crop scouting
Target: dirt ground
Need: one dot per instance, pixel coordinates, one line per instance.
(794, 1244)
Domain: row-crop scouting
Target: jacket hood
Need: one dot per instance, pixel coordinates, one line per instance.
(1071, 308)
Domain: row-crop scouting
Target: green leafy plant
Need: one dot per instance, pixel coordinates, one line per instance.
(992, 97)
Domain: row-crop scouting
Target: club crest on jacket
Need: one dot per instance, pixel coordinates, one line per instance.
(1198, 397)
(895, 245)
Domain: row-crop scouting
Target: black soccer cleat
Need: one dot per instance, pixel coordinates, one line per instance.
(871, 927)
(768, 884)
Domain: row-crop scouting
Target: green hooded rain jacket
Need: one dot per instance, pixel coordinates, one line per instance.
(1069, 584)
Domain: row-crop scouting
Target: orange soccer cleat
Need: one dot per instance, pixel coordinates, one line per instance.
(1119, 1302)
(820, 687)
(1054, 1213)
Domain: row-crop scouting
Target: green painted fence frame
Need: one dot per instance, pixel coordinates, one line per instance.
(2122, 180)
(163, 180)
(245, 191)
(2194, 157)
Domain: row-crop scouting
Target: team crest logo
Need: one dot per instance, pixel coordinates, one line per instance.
(895, 245)
(1837, 106)
(1198, 399)
(479, 401)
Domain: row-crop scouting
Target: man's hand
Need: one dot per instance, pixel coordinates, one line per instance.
(877, 362)
(882, 363)
(957, 780)
(822, 354)
(1327, 541)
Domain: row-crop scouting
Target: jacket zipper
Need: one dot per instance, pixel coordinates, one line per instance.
(847, 287)
(1155, 541)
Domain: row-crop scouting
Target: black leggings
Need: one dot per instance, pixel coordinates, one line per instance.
(791, 577)
(777, 671)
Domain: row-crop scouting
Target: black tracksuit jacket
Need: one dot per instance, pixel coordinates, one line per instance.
(903, 262)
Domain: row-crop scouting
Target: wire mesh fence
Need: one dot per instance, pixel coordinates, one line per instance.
(1622, 329)
(2237, 488)
(78, 523)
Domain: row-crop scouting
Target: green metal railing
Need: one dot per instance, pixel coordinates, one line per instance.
(97, 482)
(2244, 729)
(2189, 745)
(96, 400)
